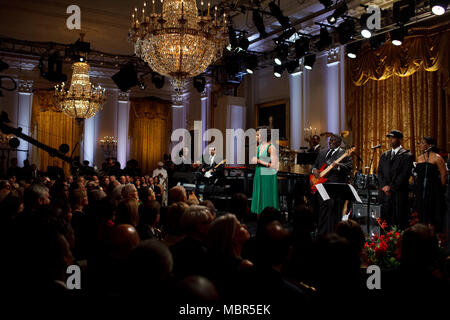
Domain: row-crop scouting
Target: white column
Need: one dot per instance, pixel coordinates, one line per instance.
(333, 91)
(89, 140)
(25, 104)
(296, 106)
(123, 115)
(205, 114)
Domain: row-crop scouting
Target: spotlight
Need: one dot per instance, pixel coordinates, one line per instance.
(397, 36)
(199, 83)
(346, 30)
(278, 71)
(251, 62)
(301, 47)
(259, 24)
(244, 43)
(326, 3)
(309, 61)
(403, 10)
(232, 37)
(324, 39)
(126, 77)
(339, 12)
(438, 7)
(353, 49)
(158, 80)
(278, 14)
(291, 66)
(365, 32)
(288, 33)
(281, 54)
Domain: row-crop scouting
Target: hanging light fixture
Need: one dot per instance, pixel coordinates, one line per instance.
(178, 43)
(82, 100)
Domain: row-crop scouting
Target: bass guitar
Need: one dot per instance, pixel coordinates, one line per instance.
(324, 170)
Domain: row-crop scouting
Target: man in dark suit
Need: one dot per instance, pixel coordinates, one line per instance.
(315, 144)
(394, 171)
(329, 211)
(209, 163)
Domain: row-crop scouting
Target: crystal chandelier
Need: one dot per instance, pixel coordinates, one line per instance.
(82, 100)
(178, 43)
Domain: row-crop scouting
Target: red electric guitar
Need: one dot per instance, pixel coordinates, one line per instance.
(324, 170)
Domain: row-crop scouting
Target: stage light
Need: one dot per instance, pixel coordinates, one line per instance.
(251, 62)
(397, 36)
(353, 49)
(259, 24)
(365, 32)
(309, 61)
(244, 43)
(158, 80)
(301, 47)
(199, 83)
(438, 7)
(126, 78)
(339, 12)
(278, 71)
(291, 66)
(346, 31)
(141, 84)
(326, 3)
(403, 10)
(324, 39)
(278, 14)
(281, 54)
(233, 39)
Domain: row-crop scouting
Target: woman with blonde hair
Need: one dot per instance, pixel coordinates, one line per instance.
(226, 237)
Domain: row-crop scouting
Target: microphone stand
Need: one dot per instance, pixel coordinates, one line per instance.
(368, 192)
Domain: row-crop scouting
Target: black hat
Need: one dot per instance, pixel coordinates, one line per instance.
(395, 134)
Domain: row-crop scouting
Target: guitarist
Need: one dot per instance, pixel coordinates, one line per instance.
(329, 212)
(210, 163)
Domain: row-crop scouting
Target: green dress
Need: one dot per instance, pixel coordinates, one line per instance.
(265, 190)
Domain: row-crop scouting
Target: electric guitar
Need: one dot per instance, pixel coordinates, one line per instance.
(209, 173)
(324, 170)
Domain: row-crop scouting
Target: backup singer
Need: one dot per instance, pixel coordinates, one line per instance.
(265, 190)
(430, 199)
(394, 171)
(329, 211)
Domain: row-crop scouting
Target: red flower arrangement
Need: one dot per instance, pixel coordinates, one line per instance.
(383, 250)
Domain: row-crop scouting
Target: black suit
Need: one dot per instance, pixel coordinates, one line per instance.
(329, 212)
(395, 173)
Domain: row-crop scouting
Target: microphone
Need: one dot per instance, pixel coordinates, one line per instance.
(376, 147)
(429, 149)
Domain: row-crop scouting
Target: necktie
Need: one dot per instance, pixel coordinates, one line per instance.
(392, 154)
(329, 154)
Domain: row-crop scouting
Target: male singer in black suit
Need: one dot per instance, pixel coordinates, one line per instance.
(394, 171)
(329, 211)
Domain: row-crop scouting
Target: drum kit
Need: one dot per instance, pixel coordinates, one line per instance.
(362, 181)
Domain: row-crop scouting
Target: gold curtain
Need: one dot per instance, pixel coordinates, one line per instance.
(52, 128)
(406, 95)
(150, 129)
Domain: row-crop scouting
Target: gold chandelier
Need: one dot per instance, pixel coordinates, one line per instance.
(178, 43)
(82, 100)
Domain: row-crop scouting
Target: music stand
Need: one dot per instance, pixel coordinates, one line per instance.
(342, 191)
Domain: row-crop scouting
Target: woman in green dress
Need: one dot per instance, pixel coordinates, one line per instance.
(265, 190)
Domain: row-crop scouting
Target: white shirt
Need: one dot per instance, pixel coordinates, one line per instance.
(395, 151)
(211, 159)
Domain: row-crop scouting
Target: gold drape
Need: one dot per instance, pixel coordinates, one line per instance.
(418, 104)
(150, 130)
(425, 49)
(52, 128)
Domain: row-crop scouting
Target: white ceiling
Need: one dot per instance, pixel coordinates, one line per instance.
(106, 22)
